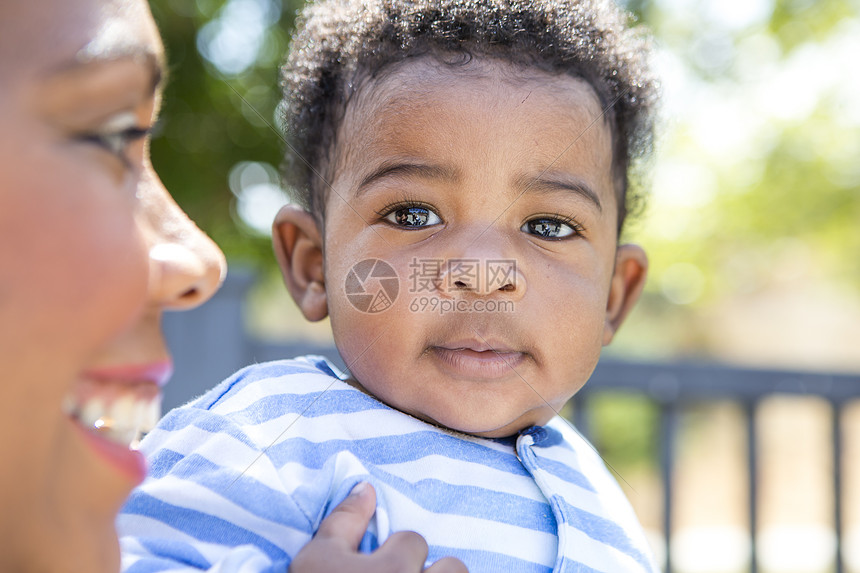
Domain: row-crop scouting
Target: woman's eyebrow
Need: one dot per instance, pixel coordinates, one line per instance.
(88, 86)
(149, 59)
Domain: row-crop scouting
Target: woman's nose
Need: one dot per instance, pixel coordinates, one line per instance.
(186, 273)
(185, 266)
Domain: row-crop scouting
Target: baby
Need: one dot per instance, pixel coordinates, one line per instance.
(463, 167)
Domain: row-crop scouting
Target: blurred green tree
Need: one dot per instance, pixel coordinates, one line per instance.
(219, 108)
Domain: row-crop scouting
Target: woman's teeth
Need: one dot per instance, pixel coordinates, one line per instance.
(122, 420)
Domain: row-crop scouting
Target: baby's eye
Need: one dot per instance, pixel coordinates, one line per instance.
(413, 217)
(117, 135)
(551, 228)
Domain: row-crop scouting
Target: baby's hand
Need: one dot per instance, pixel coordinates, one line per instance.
(334, 548)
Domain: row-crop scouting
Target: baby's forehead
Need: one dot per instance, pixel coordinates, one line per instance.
(418, 80)
(401, 110)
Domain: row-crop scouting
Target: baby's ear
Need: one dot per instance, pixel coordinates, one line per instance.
(628, 279)
(298, 248)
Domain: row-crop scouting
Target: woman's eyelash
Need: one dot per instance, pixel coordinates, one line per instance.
(117, 142)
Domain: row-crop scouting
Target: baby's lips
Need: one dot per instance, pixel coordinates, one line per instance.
(478, 345)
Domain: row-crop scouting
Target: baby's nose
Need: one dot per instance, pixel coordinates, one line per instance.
(481, 277)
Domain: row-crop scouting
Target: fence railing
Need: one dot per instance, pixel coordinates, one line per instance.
(675, 386)
(211, 342)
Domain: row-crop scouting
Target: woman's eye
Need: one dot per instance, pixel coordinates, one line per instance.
(549, 228)
(413, 217)
(117, 142)
(116, 135)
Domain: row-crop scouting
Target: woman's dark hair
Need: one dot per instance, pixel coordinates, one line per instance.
(339, 44)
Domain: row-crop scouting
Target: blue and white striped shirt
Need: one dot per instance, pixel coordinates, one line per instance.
(241, 478)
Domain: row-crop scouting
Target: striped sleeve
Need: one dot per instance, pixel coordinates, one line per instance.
(213, 501)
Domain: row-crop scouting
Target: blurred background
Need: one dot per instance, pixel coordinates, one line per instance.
(752, 227)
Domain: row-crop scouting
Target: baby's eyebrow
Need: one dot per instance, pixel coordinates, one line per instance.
(408, 168)
(554, 182)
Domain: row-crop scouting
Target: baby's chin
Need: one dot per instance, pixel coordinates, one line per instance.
(506, 431)
(490, 425)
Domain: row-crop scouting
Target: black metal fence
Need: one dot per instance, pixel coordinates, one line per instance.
(211, 342)
(674, 387)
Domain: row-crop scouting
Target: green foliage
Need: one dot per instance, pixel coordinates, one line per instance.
(795, 22)
(624, 429)
(212, 121)
(757, 174)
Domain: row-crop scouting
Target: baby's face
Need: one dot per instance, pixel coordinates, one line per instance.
(487, 189)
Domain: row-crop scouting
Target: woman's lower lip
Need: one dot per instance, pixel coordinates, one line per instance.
(129, 463)
(472, 364)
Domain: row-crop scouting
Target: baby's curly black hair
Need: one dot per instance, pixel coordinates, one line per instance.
(340, 43)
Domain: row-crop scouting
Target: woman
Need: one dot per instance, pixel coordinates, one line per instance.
(92, 251)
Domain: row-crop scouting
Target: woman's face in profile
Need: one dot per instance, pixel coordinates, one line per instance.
(92, 250)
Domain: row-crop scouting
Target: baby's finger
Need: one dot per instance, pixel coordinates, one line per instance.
(348, 521)
(403, 551)
(447, 565)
